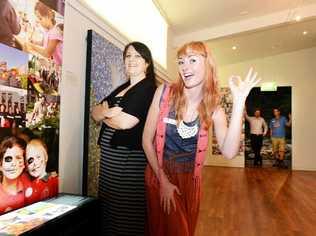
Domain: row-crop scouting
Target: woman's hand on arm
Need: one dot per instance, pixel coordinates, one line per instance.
(166, 188)
(100, 111)
(117, 119)
(229, 138)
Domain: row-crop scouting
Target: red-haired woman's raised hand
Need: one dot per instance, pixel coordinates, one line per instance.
(241, 88)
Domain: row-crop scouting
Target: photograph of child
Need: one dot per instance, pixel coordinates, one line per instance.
(44, 185)
(33, 27)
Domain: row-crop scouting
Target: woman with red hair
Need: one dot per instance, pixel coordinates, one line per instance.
(175, 138)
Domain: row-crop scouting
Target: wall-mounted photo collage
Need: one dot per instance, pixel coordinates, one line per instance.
(31, 49)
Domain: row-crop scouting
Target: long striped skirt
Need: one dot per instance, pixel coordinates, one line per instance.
(121, 188)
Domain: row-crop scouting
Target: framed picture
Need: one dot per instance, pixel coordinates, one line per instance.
(29, 100)
(104, 72)
(266, 101)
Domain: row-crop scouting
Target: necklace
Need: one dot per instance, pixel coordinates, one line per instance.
(186, 131)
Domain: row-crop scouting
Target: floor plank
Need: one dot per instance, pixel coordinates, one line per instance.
(255, 201)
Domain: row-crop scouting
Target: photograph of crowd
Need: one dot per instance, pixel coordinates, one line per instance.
(12, 107)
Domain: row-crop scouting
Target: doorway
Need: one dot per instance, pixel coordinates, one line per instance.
(266, 101)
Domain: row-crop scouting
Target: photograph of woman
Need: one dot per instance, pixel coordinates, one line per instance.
(13, 180)
(175, 138)
(122, 163)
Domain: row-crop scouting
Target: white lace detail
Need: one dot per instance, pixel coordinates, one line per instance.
(186, 131)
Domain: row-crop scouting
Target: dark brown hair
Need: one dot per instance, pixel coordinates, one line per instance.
(9, 142)
(145, 53)
(45, 11)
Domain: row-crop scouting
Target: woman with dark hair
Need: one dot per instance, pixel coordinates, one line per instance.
(10, 117)
(3, 115)
(123, 114)
(5, 121)
(12, 152)
(18, 117)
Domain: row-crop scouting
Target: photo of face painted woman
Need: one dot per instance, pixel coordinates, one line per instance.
(43, 184)
(28, 167)
(13, 180)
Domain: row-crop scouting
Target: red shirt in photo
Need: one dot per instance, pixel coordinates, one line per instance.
(41, 189)
(10, 202)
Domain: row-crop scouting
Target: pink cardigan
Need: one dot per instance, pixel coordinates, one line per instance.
(161, 136)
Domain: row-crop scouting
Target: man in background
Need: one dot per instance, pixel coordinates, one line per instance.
(277, 131)
(258, 129)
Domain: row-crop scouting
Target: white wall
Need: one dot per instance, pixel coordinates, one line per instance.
(78, 20)
(296, 69)
(171, 57)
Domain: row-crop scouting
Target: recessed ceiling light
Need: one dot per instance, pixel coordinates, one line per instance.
(305, 32)
(298, 18)
(234, 47)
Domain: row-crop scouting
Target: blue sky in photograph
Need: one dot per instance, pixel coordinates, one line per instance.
(14, 57)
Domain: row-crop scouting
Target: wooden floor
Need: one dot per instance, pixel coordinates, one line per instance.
(254, 201)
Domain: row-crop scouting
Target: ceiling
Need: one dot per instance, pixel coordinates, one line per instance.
(264, 43)
(258, 28)
(186, 16)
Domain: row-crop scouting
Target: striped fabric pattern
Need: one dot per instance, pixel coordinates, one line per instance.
(121, 188)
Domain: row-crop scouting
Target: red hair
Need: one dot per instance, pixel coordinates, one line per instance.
(210, 90)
